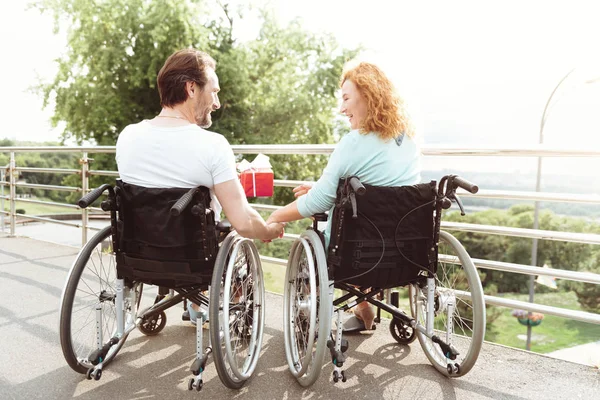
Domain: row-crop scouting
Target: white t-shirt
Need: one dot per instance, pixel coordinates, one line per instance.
(174, 157)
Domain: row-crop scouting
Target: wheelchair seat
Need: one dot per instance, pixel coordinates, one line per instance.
(157, 248)
(390, 240)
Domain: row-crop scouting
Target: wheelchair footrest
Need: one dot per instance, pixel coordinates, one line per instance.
(337, 357)
(198, 365)
(448, 350)
(98, 355)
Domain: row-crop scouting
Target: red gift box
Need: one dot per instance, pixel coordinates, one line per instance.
(257, 182)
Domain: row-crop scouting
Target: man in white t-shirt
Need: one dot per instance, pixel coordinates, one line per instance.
(173, 150)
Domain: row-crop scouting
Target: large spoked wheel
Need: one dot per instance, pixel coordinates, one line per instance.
(91, 284)
(458, 283)
(307, 308)
(236, 310)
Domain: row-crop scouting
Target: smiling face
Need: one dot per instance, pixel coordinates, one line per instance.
(353, 104)
(208, 100)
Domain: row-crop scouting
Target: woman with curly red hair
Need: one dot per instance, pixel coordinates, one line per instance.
(379, 150)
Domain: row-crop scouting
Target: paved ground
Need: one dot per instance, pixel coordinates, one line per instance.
(32, 275)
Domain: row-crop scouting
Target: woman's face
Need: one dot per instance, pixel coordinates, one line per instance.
(353, 104)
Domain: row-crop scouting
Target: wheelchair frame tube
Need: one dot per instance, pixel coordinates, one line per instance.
(449, 316)
(120, 305)
(430, 306)
(99, 326)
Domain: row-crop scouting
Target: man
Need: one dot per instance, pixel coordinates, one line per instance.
(174, 150)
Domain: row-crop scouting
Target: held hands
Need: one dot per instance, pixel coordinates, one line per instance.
(275, 229)
(302, 189)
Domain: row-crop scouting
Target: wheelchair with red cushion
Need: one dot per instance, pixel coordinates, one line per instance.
(384, 238)
(168, 238)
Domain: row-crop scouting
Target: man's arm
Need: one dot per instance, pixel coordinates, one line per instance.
(244, 219)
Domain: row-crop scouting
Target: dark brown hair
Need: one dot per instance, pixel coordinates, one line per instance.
(188, 65)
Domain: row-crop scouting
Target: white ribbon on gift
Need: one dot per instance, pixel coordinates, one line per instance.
(260, 162)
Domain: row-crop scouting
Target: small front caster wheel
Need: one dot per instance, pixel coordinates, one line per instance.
(199, 385)
(191, 384)
(153, 325)
(336, 377)
(88, 374)
(98, 375)
(402, 333)
(343, 377)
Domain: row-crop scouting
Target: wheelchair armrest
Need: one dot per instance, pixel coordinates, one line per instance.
(320, 217)
(224, 226)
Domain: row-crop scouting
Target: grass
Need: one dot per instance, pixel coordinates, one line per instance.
(554, 333)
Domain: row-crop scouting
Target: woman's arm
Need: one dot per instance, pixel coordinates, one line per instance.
(321, 196)
(286, 214)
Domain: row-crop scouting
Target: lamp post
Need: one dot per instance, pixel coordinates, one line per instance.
(536, 207)
(534, 247)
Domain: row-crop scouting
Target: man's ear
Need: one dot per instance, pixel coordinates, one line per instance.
(190, 88)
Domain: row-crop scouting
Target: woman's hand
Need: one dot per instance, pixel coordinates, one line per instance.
(275, 229)
(302, 189)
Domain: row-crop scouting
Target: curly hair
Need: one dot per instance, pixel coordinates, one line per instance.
(386, 113)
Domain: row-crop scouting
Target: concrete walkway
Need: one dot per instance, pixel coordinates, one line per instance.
(588, 354)
(32, 274)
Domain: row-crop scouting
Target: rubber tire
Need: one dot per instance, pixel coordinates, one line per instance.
(394, 323)
(67, 305)
(221, 263)
(324, 311)
(432, 350)
(161, 325)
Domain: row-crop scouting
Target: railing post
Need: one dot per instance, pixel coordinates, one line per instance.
(2, 173)
(84, 161)
(13, 193)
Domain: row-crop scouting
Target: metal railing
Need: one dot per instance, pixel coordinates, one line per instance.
(11, 171)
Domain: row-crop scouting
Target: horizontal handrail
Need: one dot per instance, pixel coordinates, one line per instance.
(54, 221)
(104, 173)
(492, 194)
(576, 276)
(586, 238)
(583, 316)
(48, 187)
(533, 196)
(49, 170)
(428, 150)
(49, 203)
(503, 302)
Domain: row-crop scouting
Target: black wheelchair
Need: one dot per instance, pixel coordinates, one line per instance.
(384, 238)
(168, 238)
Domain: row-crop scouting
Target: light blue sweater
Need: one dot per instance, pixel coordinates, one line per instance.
(374, 161)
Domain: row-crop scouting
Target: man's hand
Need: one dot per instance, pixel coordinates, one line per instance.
(302, 189)
(275, 229)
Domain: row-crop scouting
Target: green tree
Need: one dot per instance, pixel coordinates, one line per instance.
(277, 88)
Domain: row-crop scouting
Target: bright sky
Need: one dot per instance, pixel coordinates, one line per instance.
(475, 73)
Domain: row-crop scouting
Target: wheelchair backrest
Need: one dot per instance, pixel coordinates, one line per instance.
(155, 246)
(393, 232)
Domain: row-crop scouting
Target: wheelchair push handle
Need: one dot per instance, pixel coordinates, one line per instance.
(183, 202)
(465, 184)
(357, 187)
(92, 196)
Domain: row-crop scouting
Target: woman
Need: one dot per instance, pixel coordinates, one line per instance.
(379, 150)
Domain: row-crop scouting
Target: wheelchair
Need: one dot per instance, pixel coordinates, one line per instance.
(168, 238)
(384, 238)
